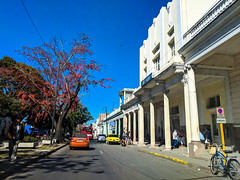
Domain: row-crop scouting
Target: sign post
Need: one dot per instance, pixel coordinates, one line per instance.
(112, 126)
(221, 119)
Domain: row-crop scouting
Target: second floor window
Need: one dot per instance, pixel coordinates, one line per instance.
(174, 110)
(172, 48)
(157, 64)
(214, 102)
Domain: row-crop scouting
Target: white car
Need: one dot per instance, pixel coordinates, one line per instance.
(101, 138)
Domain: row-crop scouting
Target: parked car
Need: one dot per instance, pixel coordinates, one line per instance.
(101, 138)
(79, 140)
(113, 138)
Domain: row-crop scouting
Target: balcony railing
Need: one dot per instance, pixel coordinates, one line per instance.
(209, 17)
(129, 98)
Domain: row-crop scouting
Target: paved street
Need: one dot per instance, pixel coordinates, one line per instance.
(104, 161)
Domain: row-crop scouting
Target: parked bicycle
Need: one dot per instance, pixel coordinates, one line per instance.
(220, 162)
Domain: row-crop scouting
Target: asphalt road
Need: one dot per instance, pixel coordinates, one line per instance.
(107, 162)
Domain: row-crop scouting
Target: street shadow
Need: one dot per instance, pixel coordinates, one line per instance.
(73, 163)
(82, 148)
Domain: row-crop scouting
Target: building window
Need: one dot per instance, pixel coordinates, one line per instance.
(145, 71)
(145, 61)
(155, 50)
(171, 45)
(174, 110)
(170, 32)
(214, 102)
(156, 63)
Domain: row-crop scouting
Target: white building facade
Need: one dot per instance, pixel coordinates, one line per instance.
(189, 66)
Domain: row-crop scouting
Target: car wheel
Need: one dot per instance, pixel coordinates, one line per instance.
(70, 148)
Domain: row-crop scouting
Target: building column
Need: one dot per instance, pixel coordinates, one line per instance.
(141, 125)
(134, 127)
(167, 121)
(129, 124)
(187, 112)
(107, 128)
(124, 122)
(152, 124)
(120, 100)
(196, 148)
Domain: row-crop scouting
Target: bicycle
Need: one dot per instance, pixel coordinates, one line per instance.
(219, 162)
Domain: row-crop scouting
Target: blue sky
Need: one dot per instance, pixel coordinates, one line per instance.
(117, 27)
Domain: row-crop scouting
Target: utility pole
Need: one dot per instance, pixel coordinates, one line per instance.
(106, 120)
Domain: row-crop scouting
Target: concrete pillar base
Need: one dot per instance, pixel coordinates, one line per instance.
(152, 146)
(135, 142)
(167, 149)
(196, 149)
(141, 144)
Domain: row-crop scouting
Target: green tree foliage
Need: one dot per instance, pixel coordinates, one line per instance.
(9, 106)
(79, 116)
(12, 81)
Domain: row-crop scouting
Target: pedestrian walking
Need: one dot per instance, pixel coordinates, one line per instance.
(15, 133)
(127, 137)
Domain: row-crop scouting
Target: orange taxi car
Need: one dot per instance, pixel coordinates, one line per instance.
(79, 140)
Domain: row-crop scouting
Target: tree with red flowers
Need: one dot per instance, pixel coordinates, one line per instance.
(65, 73)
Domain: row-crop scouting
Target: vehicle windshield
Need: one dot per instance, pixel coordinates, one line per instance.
(112, 135)
(80, 135)
(87, 129)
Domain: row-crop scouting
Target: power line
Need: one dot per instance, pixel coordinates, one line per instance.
(32, 22)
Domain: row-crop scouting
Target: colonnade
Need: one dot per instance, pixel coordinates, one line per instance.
(190, 111)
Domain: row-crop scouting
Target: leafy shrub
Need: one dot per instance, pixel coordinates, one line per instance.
(29, 139)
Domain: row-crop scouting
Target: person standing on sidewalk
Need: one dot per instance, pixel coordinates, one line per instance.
(175, 139)
(15, 133)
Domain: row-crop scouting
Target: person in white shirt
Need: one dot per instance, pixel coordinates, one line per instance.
(174, 139)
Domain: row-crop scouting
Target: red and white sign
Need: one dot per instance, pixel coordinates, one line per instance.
(220, 115)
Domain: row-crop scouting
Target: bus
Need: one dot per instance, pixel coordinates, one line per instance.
(88, 131)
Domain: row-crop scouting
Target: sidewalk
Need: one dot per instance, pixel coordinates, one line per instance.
(180, 155)
(25, 158)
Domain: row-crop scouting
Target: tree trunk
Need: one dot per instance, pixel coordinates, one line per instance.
(59, 130)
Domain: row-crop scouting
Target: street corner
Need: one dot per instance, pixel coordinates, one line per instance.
(164, 156)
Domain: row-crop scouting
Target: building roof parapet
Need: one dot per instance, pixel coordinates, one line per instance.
(113, 114)
(209, 17)
(121, 93)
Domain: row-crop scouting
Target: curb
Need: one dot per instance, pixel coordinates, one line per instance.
(29, 162)
(196, 167)
(164, 156)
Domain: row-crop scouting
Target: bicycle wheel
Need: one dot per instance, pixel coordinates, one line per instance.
(234, 169)
(214, 164)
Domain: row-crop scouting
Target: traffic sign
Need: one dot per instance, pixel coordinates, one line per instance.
(220, 115)
(221, 119)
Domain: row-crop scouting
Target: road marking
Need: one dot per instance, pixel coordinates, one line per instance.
(101, 152)
(167, 157)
